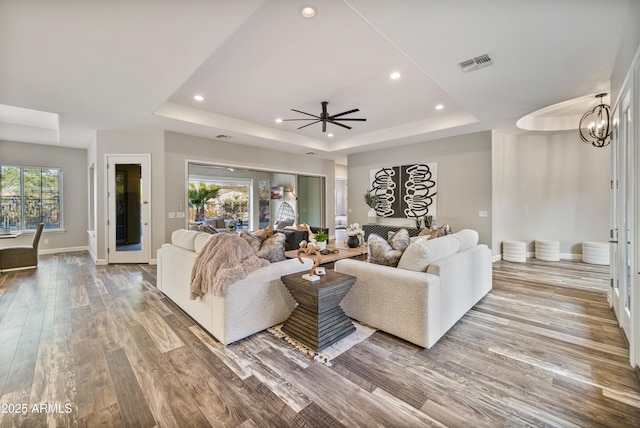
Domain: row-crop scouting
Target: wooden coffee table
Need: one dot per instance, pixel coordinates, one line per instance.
(343, 252)
(318, 321)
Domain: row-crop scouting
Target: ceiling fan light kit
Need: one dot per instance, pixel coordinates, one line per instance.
(325, 118)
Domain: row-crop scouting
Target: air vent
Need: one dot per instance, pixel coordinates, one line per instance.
(476, 63)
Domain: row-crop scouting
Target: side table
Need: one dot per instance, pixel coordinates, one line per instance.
(318, 321)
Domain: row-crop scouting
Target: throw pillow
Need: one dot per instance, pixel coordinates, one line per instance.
(430, 233)
(381, 252)
(254, 241)
(272, 248)
(400, 240)
(263, 233)
(422, 253)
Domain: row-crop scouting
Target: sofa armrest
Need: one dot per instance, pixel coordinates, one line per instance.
(466, 277)
(401, 302)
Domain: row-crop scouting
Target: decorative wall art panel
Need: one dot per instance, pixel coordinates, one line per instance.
(407, 191)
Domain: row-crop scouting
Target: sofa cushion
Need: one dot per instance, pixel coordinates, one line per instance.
(184, 238)
(468, 238)
(387, 253)
(272, 248)
(422, 253)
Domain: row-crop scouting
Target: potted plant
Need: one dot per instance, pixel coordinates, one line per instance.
(321, 239)
(372, 201)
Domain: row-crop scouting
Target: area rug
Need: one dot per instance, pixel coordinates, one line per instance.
(326, 355)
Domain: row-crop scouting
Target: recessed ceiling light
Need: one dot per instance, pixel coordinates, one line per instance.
(395, 75)
(278, 120)
(198, 98)
(439, 107)
(329, 135)
(308, 11)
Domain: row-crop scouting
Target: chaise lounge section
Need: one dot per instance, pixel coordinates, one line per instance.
(453, 274)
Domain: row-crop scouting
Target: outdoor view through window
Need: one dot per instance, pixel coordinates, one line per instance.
(30, 196)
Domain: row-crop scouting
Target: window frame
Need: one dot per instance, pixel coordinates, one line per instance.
(22, 221)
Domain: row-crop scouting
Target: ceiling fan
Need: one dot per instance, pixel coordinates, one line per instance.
(326, 118)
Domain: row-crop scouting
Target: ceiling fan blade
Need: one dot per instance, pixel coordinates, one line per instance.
(343, 113)
(359, 120)
(309, 124)
(308, 114)
(337, 123)
(288, 120)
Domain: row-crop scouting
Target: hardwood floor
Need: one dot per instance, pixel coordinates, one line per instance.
(86, 345)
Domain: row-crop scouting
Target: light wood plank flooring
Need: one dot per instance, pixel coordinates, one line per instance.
(82, 345)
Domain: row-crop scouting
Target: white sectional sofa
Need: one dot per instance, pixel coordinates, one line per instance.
(250, 305)
(452, 273)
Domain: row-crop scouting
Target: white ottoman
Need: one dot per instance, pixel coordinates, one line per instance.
(548, 250)
(595, 253)
(514, 251)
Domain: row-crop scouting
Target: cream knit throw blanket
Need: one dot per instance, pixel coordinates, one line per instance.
(224, 259)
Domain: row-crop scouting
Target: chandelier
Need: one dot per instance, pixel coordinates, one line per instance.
(597, 124)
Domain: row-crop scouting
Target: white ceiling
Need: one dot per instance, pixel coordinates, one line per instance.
(137, 65)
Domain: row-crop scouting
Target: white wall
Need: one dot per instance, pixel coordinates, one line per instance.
(73, 163)
(464, 180)
(179, 148)
(549, 186)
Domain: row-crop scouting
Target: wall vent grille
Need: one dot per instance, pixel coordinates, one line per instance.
(476, 63)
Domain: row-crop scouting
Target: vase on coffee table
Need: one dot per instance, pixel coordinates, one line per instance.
(353, 241)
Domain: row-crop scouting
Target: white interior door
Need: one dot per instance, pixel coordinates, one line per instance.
(128, 192)
(622, 275)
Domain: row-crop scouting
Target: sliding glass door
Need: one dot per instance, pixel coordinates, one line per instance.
(311, 197)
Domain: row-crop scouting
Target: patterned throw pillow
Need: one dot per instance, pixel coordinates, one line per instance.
(400, 240)
(254, 241)
(272, 248)
(387, 253)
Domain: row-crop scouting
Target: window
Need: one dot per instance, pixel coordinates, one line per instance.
(231, 202)
(30, 196)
